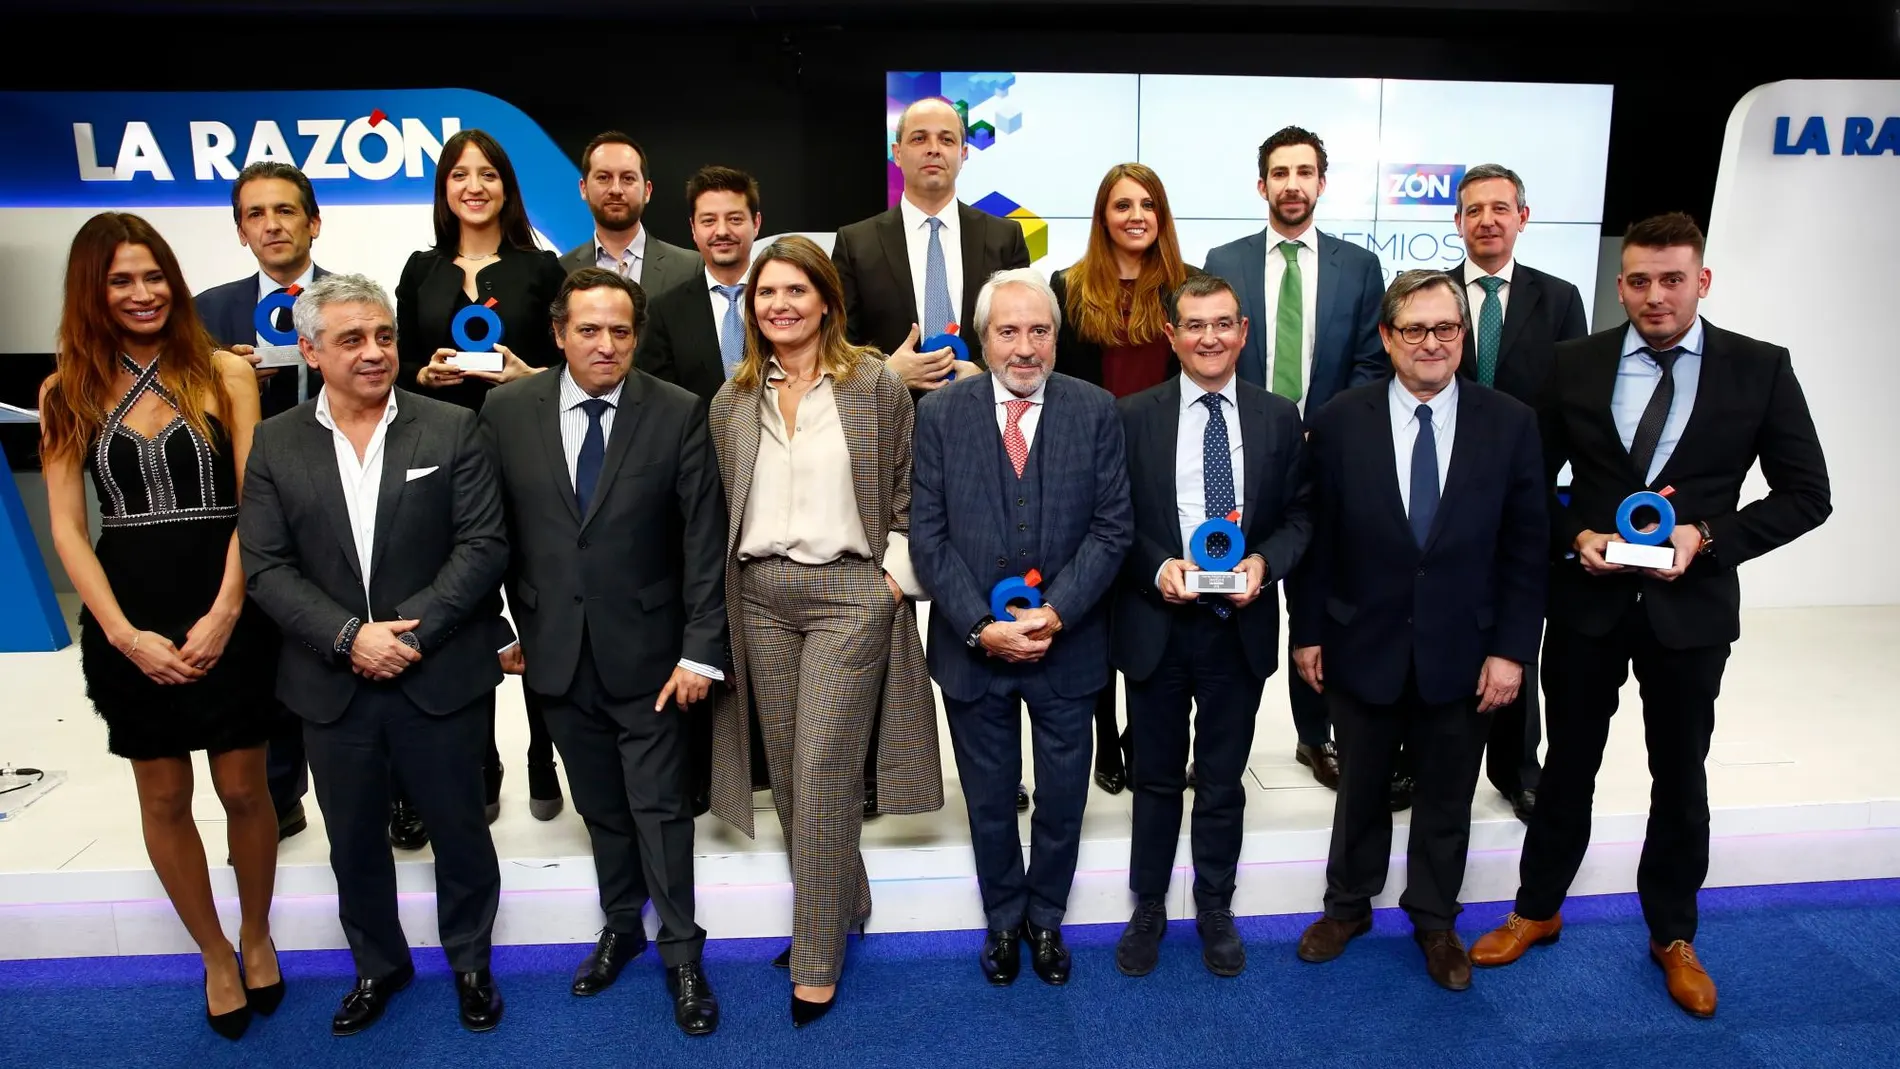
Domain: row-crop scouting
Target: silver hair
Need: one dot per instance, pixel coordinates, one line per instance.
(307, 313)
(1485, 171)
(1015, 276)
(1410, 284)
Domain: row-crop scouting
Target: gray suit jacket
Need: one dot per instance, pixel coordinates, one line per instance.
(666, 265)
(643, 573)
(437, 557)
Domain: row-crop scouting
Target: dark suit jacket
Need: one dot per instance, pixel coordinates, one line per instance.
(643, 573)
(880, 301)
(1346, 347)
(228, 313)
(1748, 407)
(1082, 357)
(957, 534)
(680, 343)
(1273, 517)
(666, 265)
(438, 555)
(1381, 608)
(523, 283)
(1542, 310)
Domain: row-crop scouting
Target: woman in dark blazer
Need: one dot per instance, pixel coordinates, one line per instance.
(484, 251)
(1114, 302)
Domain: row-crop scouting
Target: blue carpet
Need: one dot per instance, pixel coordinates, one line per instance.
(1809, 976)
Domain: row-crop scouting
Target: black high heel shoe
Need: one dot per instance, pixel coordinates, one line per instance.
(804, 1013)
(229, 1025)
(265, 1000)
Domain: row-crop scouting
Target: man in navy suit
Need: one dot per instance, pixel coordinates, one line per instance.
(1020, 471)
(1314, 303)
(276, 214)
(1417, 607)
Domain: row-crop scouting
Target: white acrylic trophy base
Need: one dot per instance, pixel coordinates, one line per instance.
(278, 356)
(1631, 555)
(490, 361)
(1199, 582)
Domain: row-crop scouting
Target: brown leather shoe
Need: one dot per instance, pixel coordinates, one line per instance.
(1508, 942)
(1445, 958)
(1326, 938)
(1323, 760)
(1689, 982)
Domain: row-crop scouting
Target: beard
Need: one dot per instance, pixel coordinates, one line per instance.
(631, 211)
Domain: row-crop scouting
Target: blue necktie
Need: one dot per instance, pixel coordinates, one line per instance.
(1217, 481)
(937, 308)
(1424, 477)
(732, 331)
(593, 453)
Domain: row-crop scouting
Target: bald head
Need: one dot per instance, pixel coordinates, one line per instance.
(930, 151)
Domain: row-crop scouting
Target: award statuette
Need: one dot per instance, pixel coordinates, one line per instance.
(1217, 574)
(1644, 549)
(959, 349)
(476, 354)
(281, 350)
(1016, 590)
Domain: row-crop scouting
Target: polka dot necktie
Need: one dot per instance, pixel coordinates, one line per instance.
(1013, 441)
(1490, 329)
(1217, 480)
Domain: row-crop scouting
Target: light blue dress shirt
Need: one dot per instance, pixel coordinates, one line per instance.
(1636, 378)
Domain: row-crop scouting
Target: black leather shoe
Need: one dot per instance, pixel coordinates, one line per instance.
(1139, 948)
(406, 830)
(1323, 760)
(545, 800)
(265, 1000)
(695, 1007)
(804, 1013)
(365, 1003)
(1002, 957)
(1022, 798)
(1111, 772)
(1048, 955)
(480, 1000)
(233, 1024)
(870, 800)
(491, 793)
(602, 967)
(702, 803)
(291, 821)
(1400, 797)
(1524, 803)
(1221, 949)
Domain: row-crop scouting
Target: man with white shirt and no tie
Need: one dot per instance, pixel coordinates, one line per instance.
(372, 533)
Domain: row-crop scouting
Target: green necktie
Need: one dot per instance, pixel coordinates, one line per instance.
(1289, 326)
(1490, 329)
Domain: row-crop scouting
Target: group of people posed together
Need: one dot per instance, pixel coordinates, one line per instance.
(715, 484)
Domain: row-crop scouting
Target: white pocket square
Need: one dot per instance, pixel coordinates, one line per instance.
(417, 473)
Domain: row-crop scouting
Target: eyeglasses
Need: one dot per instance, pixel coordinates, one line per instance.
(1195, 328)
(1415, 333)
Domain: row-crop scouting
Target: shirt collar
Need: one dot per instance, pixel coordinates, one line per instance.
(1191, 392)
(775, 371)
(572, 395)
(1308, 237)
(713, 283)
(267, 285)
(1444, 403)
(1691, 342)
(914, 216)
(1473, 272)
(323, 409)
(637, 249)
(1003, 394)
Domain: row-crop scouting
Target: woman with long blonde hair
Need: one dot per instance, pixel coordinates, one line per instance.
(174, 660)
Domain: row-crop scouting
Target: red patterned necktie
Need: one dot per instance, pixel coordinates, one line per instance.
(1013, 442)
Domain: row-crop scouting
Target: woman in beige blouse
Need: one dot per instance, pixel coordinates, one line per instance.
(814, 439)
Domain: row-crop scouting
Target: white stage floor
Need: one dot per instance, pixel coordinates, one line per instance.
(1801, 780)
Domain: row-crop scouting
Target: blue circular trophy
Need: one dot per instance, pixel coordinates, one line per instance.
(1217, 574)
(476, 354)
(1644, 548)
(949, 339)
(1016, 590)
(280, 346)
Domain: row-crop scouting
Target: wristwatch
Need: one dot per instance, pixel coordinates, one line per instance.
(1708, 538)
(346, 638)
(974, 639)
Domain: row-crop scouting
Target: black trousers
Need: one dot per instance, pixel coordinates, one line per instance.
(987, 737)
(1204, 667)
(439, 761)
(285, 766)
(1110, 737)
(1312, 719)
(540, 743)
(1444, 745)
(626, 767)
(1679, 688)
(1510, 752)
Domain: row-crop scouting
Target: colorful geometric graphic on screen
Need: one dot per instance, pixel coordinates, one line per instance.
(981, 99)
(1035, 228)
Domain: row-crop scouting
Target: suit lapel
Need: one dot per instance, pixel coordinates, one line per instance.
(633, 394)
(1525, 292)
(1599, 386)
(857, 414)
(1327, 304)
(399, 445)
(1055, 441)
(1465, 453)
(1705, 390)
(972, 223)
(890, 233)
(547, 418)
(326, 484)
(1383, 459)
(742, 445)
(1253, 297)
(1254, 439)
(1163, 437)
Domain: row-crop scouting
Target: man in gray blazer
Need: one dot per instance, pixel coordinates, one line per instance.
(371, 532)
(617, 526)
(616, 185)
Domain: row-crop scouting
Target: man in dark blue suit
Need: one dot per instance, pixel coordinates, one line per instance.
(1313, 301)
(1417, 607)
(1020, 471)
(276, 214)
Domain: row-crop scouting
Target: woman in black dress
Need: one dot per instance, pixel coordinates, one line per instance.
(484, 252)
(174, 658)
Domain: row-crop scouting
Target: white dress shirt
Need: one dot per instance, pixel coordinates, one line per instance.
(266, 286)
(1031, 415)
(574, 432)
(720, 304)
(634, 256)
(1474, 293)
(917, 244)
(1404, 408)
(362, 482)
(1308, 256)
(1190, 479)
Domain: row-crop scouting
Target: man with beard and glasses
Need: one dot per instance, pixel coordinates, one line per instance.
(1314, 300)
(616, 184)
